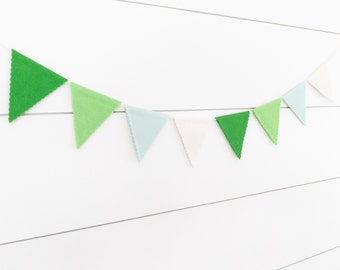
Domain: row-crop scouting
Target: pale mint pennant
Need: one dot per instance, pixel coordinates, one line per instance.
(296, 100)
(145, 126)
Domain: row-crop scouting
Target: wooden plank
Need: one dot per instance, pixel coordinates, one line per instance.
(193, 62)
(263, 232)
(47, 185)
(300, 13)
(329, 260)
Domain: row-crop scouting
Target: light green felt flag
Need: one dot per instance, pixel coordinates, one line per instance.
(268, 116)
(90, 110)
(234, 128)
(30, 82)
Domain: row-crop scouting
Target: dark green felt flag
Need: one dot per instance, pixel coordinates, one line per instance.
(234, 127)
(30, 82)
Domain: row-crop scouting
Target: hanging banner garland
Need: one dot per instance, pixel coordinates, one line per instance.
(30, 82)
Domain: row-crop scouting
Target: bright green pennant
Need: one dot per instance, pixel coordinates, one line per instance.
(90, 110)
(30, 82)
(268, 116)
(234, 127)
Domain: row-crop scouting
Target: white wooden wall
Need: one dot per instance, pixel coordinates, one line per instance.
(277, 206)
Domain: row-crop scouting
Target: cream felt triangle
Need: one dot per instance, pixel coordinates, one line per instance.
(320, 80)
(192, 133)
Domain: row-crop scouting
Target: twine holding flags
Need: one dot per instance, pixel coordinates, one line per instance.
(30, 82)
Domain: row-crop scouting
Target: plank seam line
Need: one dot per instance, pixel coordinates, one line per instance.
(309, 258)
(168, 211)
(231, 17)
(175, 110)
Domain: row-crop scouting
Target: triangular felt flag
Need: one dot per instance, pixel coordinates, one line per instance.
(269, 115)
(320, 80)
(90, 110)
(192, 133)
(296, 100)
(30, 82)
(145, 125)
(234, 127)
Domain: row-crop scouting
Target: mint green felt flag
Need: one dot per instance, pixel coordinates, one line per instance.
(234, 128)
(30, 82)
(145, 126)
(268, 116)
(90, 110)
(296, 100)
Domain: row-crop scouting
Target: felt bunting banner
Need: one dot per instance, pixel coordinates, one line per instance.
(30, 82)
(296, 100)
(268, 116)
(145, 126)
(234, 128)
(320, 80)
(192, 133)
(90, 110)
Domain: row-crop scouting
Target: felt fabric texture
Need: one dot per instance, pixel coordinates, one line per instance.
(296, 100)
(90, 110)
(145, 126)
(30, 82)
(234, 128)
(192, 133)
(320, 80)
(268, 116)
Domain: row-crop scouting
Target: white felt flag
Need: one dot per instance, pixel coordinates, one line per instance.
(320, 80)
(192, 133)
